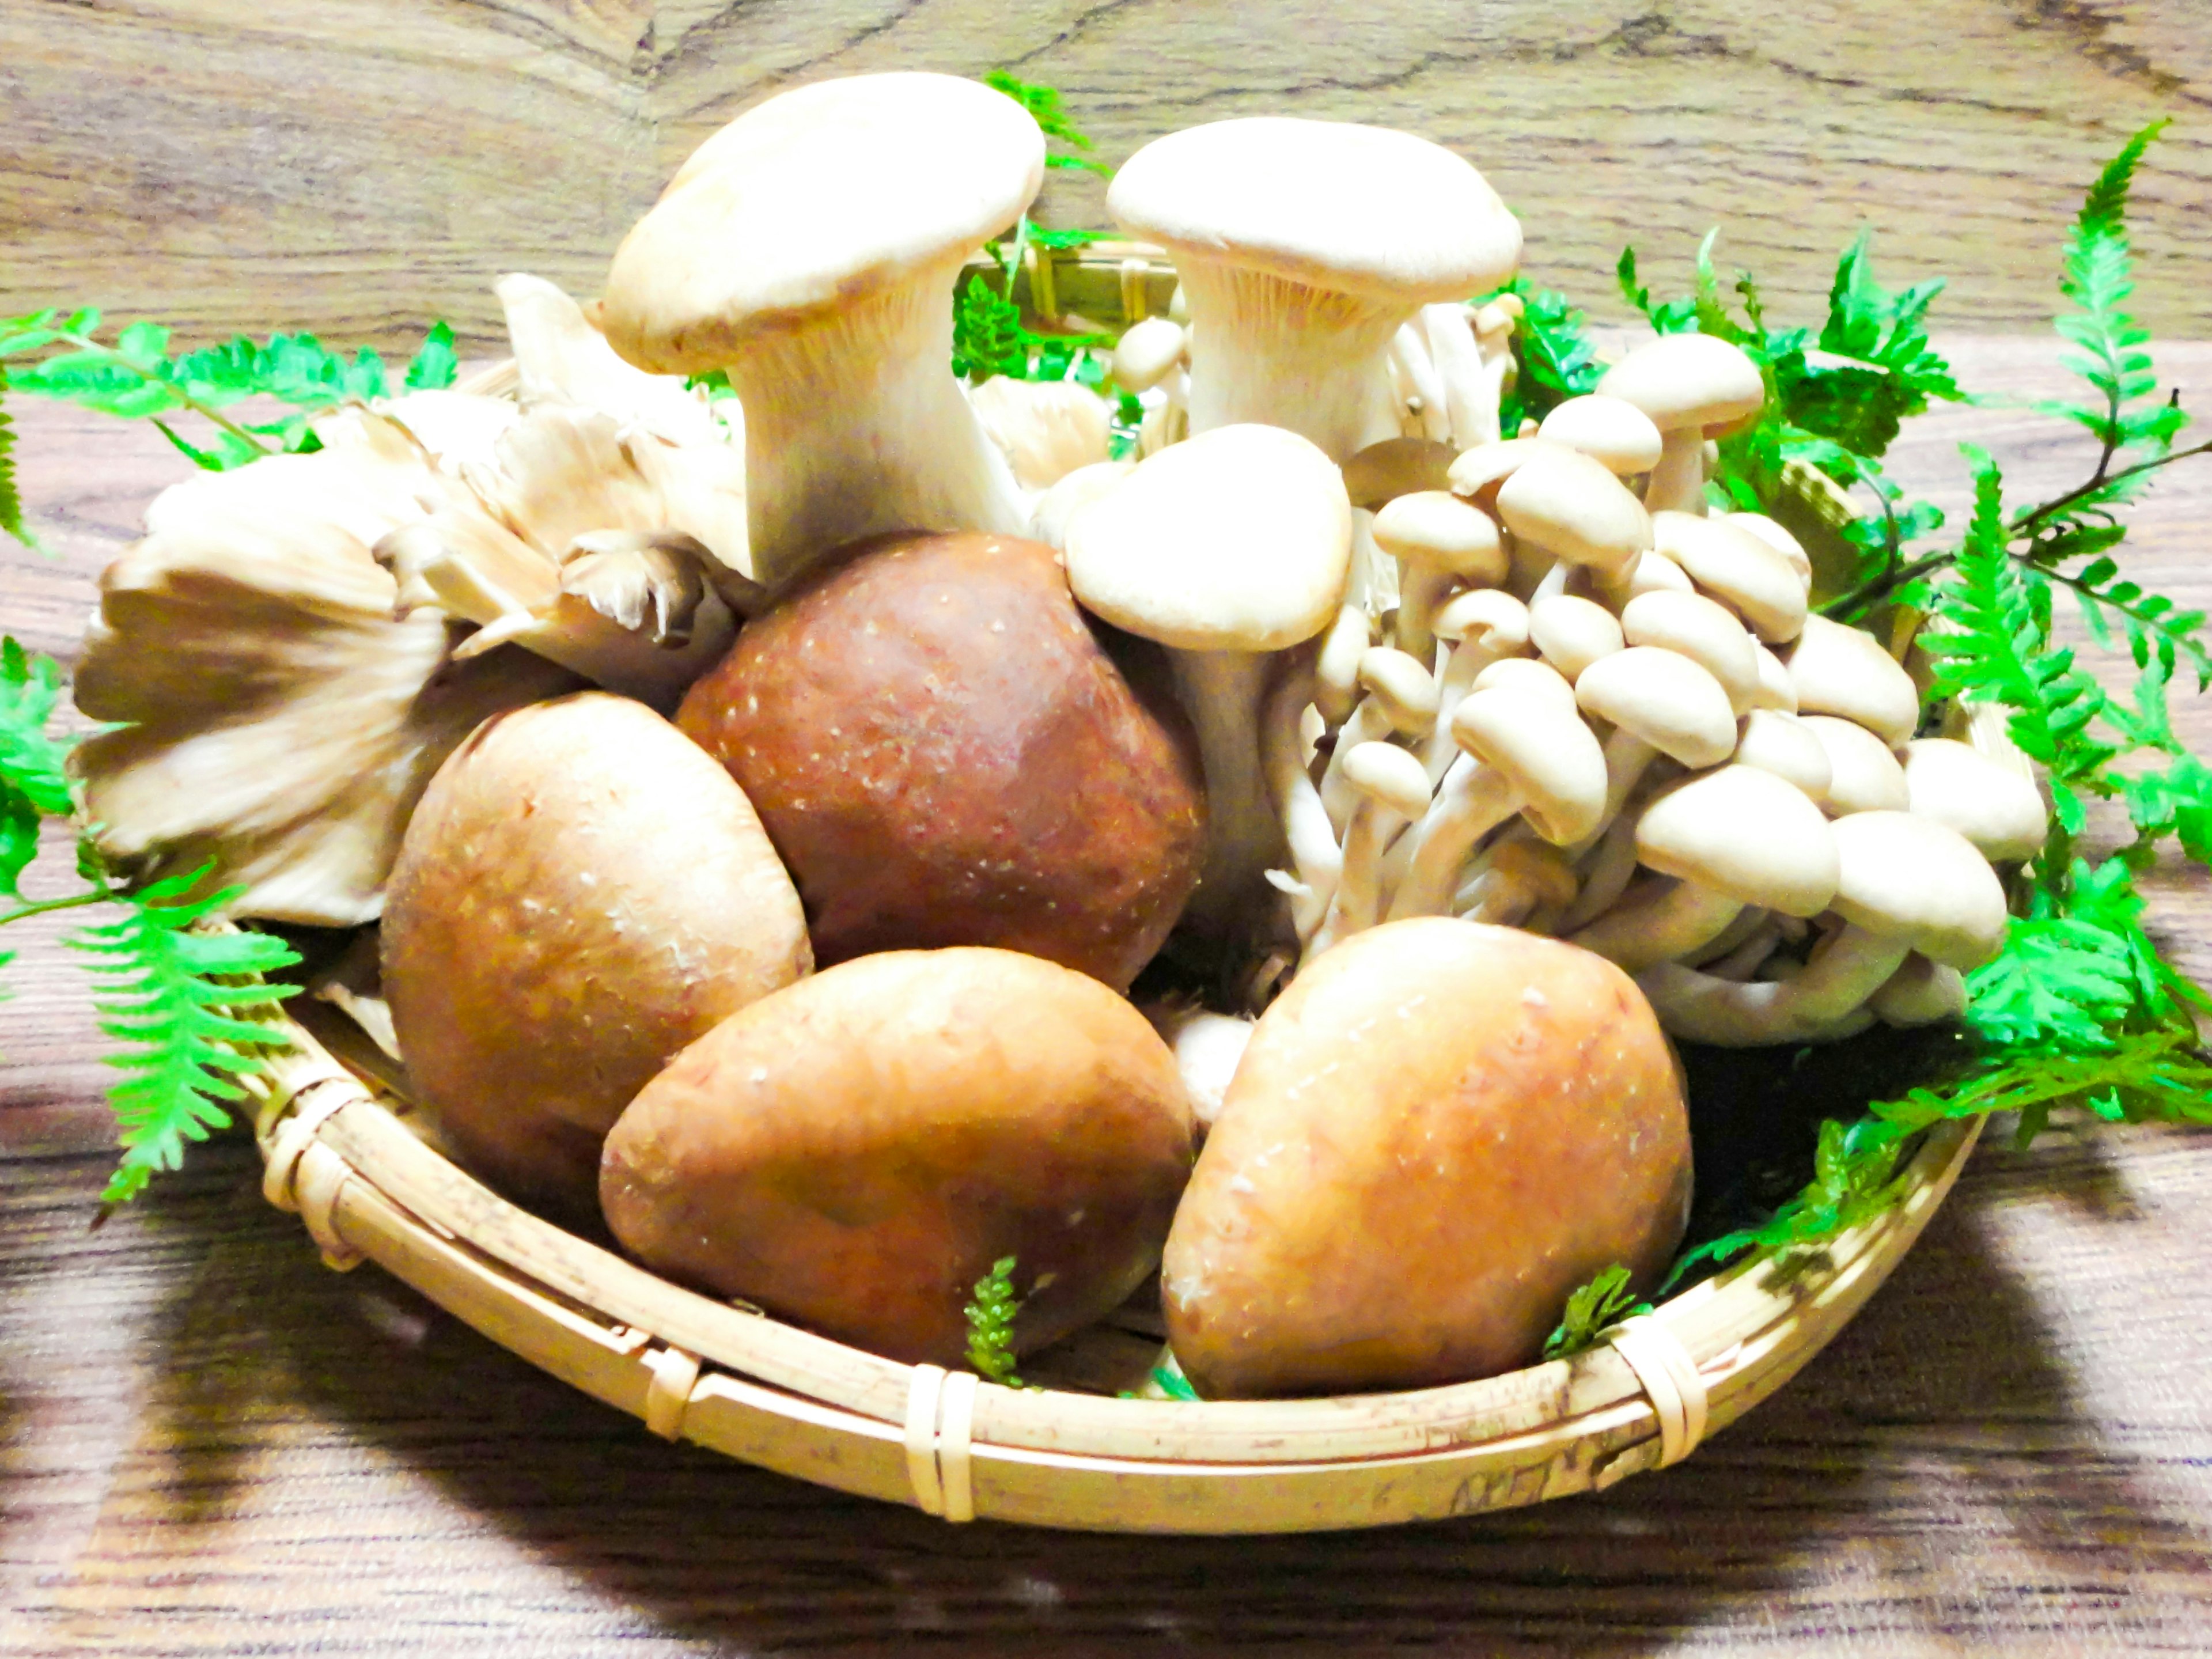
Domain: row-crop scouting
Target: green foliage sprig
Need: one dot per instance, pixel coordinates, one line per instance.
(991, 1325)
(1605, 1300)
(168, 990)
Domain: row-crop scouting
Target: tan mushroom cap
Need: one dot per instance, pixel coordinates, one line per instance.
(1838, 670)
(1744, 832)
(1489, 615)
(1776, 689)
(1388, 775)
(1542, 746)
(1779, 539)
(1665, 700)
(1777, 742)
(1357, 210)
(1572, 633)
(818, 197)
(2000, 812)
(1609, 430)
(1236, 539)
(1397, 466)
(1525, 672)
(1682, 380)
(1698, 627)
(1864, 776)
(1561, 501)
(1147, 350)
(1737, 568)
(1405, 690)
(1436, 529)
(1906, 877)
(1655, 573)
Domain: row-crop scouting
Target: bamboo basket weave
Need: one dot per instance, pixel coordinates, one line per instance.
(342, 1147)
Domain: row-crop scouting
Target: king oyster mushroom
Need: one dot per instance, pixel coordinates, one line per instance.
(810, 249)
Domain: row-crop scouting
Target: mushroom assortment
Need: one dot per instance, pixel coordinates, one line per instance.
(1331, 679)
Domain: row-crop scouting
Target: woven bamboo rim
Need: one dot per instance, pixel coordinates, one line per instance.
(342, 1147)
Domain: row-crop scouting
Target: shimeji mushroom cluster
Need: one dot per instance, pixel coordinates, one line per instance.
(1434, 669)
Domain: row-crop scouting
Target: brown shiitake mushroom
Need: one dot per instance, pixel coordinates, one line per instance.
(856, 1151)
(1437, 1131)
(944, 754)
(581, 892)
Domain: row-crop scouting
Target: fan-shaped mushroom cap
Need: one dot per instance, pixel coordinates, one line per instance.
(1744, 832)
(1991, 806)
(1561, 501)
(560, 358)
(1397, 466)
(1737, 568)
(1864, 775)
(1778, 743)
(1436, 529)
(1610, 430)
(1665, 700)
(1572, 633)
(1543, 749)
(1687, 381)
(1237, 539)
(1906, 877)
(1840, 670)
(1705, 632)
(1353, 210)
(1046, 428)
(815, 198)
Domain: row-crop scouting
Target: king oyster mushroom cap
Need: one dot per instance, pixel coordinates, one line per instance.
(1864, 775)
(1046, 428)
(1778, 743)
(1733, 837)
(1611, 431)
(1707, 633)
(1383, 472)
(2000, 812)
(1439, 541)
(1835, 669)
(1231, 544)
(810, 249)
(1302, 246)
(1736, 567)
(1570, 634)
(1688, 385)
(1569, 505)
(280, 722)
(1905, 884)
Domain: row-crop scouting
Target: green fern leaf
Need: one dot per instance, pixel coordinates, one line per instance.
(11, 503)
(1605, 1300)
(991, 1325)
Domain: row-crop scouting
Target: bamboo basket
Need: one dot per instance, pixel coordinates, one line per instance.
(344, 1148)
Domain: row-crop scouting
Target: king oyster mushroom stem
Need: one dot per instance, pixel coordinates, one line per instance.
(1317, 859)
(810, 249)
(1303, 246)
(1390, 789)
(1229, 546)
(1905, 884)
(1690, 386)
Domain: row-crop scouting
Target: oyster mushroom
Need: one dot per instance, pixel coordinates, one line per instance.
(810, 249)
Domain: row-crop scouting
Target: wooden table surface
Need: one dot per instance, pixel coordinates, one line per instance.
(210, 1444)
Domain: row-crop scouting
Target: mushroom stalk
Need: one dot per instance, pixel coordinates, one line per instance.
(1842, 974)
(1677, 484)
(1473, 800)
(1605, 872)
(1316, 860)
(1646, 930)
(1222, 691)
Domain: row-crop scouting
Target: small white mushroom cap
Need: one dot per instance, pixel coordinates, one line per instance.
(1920, 993)
(1147, 350)
(1437, 530)
(1385, 772)
(1655, 573)
(1489, 615)
(1736, 567)
(1336, 671)
(1406, 691)
(1778, 538)
(1907, 876)
(1864, 776)
(1687, 382)
(1237, 539)
(1839, 670)
(1478, 472)
(1698, 627)
(1776, 689)
(1551, 759)
(1567, 504)
(1572, 633)
(1611, 431)
(1525, 673)
(2000, 812)
(1778, 743)
(1665, 700)
(1745, 830)
(1207, 1047)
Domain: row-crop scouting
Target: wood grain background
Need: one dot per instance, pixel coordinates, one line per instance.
(358, 167)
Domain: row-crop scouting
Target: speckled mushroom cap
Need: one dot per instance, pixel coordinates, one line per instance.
(1358, 210)
(1744, 832)
(1236, 539)
(1553, 761)
(1685, 381)
(812, 201)
(1910, 878)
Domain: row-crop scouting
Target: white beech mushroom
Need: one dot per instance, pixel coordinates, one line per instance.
(1920, 993)
(810, 249)
(1401, 698)
(1477, 628)
(1562, 502)
(1317, 859)
(1707, 633)
(1864, 775)
(1231, 545)
(1206, 1046)
(1838, 670)
(1423, 409)
(1690, 386)
(1439, 541)
(1302, 246)
(1336, 668)
(1731, 837)
(1390, 790)
(1905, 884)
(1778, 743)
(1512, 880)
(1611, 431)
(1736, 567)
(1655, 573)
(1776, 689)
(1992, 806)
(1658, 703)
(1526, 752)
(1463, 372)
(1571, 633)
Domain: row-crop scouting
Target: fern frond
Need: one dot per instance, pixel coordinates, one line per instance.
(11, 503)
(991, 1325)
(33, 786)
(167, 996)
(1605, 1300)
